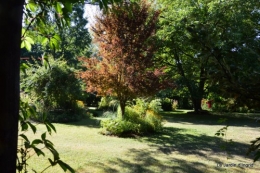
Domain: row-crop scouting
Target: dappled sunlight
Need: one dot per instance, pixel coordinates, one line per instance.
(150, 161)
(181, 146)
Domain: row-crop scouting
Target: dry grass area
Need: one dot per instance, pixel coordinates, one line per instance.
(186, 144)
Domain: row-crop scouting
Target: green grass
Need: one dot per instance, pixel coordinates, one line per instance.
(186, 144)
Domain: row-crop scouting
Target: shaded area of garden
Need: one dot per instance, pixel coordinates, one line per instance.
(177, 149)
(175, 140)
(147, 162)
(211, 119)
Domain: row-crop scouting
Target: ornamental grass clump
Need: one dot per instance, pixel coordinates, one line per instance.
(139, 119)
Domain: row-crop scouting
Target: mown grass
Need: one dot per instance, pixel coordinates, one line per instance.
(186, 144)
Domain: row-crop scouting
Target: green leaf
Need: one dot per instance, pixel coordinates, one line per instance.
(32, 6)
(48, 129)
(23, 31)
(32, 127)
(24, 126)
(31, 110)
(44, 116)
(37, 141)
(27, 45)
(52, 126)
(38, 151)
(45, 62)
(52, 162)
(21, 118)
(49, 145)
(65, 166)
(68, 6)
(43, 136)
(27, 145)
(44, 41)
(22, 44)
(55, 154)
(56, 37)
(23, 67)
(24, 137)
(29, 39)
(58, 8)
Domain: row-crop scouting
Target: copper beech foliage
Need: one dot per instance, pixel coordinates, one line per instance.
(126, 38)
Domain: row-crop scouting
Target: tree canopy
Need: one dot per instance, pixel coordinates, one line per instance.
(124, 67)
(212, 43)
(68, 42)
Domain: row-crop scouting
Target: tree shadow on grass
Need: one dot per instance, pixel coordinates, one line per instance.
(184, 142)
(93, 121)
(209, 119)
(144, 161)
(87, 122)
(170, 152)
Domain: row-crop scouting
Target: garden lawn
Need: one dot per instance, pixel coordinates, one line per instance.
(186, 144)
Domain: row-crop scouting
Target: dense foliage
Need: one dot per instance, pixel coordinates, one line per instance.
(139, 119)
(108, 103)
(53, 88)
(69, 42)
(212, 46)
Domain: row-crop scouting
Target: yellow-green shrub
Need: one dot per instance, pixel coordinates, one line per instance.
(138, 119)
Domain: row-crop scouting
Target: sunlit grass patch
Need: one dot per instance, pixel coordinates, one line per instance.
(186, 144)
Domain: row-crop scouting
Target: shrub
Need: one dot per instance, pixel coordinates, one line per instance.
(174, 105)
(154, 121)
(156, 105)
(139, 119)
(64, 116)
(55, 89)
(107, 103)
(118, 127)
(110, 114)
(166, 104)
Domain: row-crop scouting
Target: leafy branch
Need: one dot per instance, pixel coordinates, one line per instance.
(223, 133)
(26, 112)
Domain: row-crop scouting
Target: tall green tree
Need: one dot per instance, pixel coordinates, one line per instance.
(73, 40)
(180, 53)
(212, 41)
(11, 16)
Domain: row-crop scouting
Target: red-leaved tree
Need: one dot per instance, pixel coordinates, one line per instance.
(125, 36)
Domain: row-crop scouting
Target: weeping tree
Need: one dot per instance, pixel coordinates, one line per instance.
(124, 67)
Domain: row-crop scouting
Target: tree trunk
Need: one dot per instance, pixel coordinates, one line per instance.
(122, 106)
(11, 13)
(195, 92)
(197, 104)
